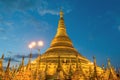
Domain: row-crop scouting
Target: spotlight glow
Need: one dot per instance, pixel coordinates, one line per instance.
(40, 43)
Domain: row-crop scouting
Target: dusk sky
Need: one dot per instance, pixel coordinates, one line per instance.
(92, 25)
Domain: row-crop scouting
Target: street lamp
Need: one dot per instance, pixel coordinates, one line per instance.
(40, 43)
(33, 44)
(36, 45)
(30, 47)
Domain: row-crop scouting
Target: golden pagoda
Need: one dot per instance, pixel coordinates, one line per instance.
(61, 61)
(61, 46)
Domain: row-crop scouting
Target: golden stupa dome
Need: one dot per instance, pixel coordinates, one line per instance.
(61, 44)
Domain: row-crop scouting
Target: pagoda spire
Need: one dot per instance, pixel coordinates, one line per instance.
(61, 13)
(1, 62)
(22, 64)
(79, 73)
(95, 69)
(109, 64)
(61, 31)
(61, 38)
(112, 73)
(29, 62)
(7, 69)
(7, 75)
(60, 74)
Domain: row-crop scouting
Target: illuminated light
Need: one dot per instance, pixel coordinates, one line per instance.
(40, 43)
(30, 46)
(33, 44)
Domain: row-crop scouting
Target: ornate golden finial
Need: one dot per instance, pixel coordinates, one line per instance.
(109, 64)
(61, 13)
(95, 69)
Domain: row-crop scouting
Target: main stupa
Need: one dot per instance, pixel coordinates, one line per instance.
(62, 55)
(62, 46)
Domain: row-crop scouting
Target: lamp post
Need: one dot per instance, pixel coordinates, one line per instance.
(30, 47)
(37, 46)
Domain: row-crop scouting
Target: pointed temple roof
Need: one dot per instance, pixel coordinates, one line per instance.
(61, 45)
(61, 38)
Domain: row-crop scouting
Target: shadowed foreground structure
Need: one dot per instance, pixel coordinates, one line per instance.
(61, 61)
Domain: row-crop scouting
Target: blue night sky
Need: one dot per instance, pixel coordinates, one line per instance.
(92, 25)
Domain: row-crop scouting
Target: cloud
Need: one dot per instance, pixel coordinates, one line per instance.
(44, 11)
(33, 55)
(20, 5)
(42, 26)
(68, 11)
(9, 24)
(12, 59)
(48, 11)
(18, 15)
(10, 52)
(26, 56)
(5, 25)
(43, 6)
(18, 56)
(28, 20)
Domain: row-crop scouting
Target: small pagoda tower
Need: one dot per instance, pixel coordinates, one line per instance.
(1, 67)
